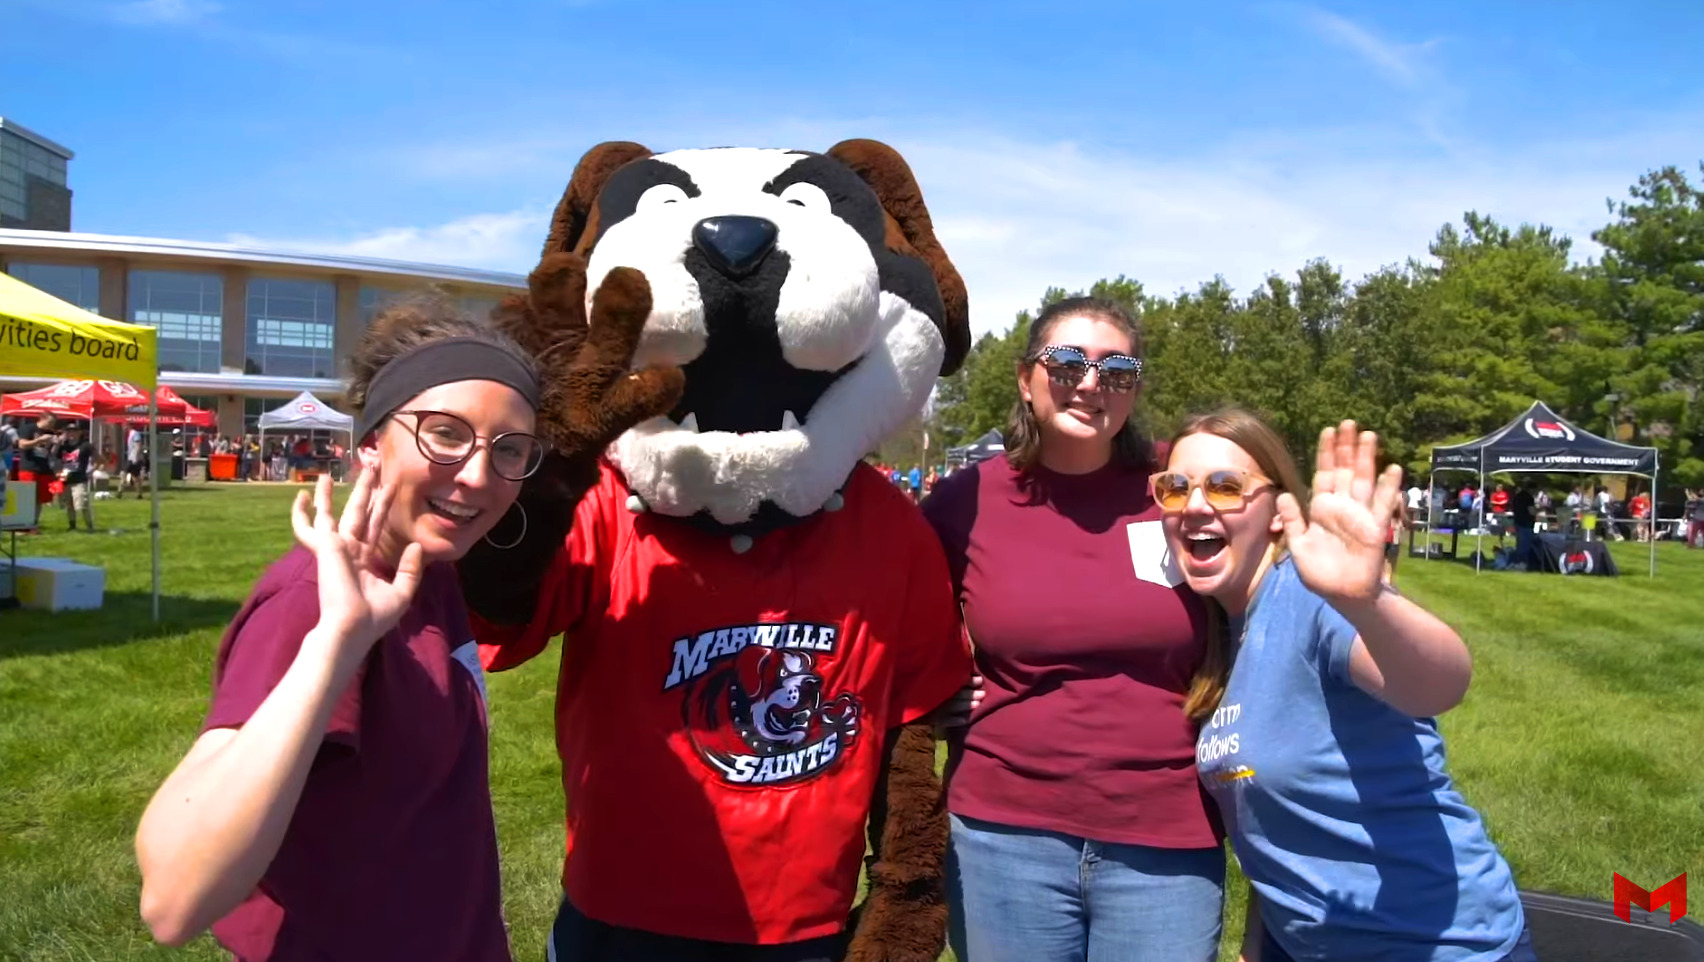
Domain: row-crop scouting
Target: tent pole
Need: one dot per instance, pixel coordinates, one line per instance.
(1431, 482)
(1477, 516)
(154, 493)
(1656, 514)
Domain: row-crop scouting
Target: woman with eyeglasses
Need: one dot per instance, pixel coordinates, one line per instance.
(1079, 830)
(1323, 754)
(336, 803)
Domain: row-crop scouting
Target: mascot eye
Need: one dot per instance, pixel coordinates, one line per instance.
(659, 195)
(808, 196)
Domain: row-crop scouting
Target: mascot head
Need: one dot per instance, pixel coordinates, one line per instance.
(803, 294)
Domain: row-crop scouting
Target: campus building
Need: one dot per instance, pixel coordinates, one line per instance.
(34, 191)
(241, 330)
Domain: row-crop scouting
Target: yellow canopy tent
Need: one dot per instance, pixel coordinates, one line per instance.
(43, 336)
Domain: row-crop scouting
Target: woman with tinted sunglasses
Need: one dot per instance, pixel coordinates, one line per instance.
(1079, 830)
(1322, 753)
(336, 803)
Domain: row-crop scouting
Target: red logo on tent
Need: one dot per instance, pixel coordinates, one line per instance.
(307, 408)
(69, 388)
(1555, 430)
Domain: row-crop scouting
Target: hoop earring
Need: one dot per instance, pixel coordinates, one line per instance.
(518, 539)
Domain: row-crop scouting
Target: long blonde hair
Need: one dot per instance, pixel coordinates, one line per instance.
(1247, 431)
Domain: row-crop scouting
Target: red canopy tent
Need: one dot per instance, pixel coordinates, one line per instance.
(88, 399)
(168, 400)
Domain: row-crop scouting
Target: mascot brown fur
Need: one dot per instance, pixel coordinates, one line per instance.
(644, 368)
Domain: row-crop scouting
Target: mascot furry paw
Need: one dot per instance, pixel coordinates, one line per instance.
(755, 624)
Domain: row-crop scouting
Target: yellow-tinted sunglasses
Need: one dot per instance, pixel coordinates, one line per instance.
(1225, 488)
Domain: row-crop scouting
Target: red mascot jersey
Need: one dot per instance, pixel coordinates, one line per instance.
(720, 716)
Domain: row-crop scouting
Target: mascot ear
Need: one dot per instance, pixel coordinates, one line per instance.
(574, 227)
(909, 231)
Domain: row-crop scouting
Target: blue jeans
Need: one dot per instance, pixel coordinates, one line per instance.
(1027, 895)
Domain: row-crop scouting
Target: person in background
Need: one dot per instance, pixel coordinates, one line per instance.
(135, 460)
(336, 803)
(8, 452)
(1499, 502)
(1400, 521)
(76, 458)
(37, 444)
(1639, 508)
(1524, 515)
(1078, 829)
(1695, 518)
(1323, 754)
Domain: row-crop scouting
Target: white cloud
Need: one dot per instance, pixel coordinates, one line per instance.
(164, 11)
(1399, 62)
(506, 241)
(1019, 216)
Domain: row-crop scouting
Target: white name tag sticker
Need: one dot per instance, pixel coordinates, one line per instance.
(1151, 556)
(468, 655)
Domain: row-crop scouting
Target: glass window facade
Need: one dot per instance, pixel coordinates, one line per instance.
(72, 284)
(187, 309)
(11, 177)
(20, 160)
(291, 324)
(254, 407)
(373, 299)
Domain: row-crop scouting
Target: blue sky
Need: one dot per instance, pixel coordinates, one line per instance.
(1056, 142)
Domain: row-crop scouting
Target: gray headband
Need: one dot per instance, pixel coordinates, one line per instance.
(438, 362)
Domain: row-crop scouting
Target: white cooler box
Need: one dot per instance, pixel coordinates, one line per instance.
(55, 584)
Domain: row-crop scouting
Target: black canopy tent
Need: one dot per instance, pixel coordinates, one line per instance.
(1541, 442)
(980, 449)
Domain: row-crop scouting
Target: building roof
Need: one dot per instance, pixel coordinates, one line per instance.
(189, 382)
(35, 138)
(157, 246)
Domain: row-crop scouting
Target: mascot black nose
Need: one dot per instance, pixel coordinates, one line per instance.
(734, 244)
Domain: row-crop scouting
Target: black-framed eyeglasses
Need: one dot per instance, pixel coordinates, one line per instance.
(1067, 366)
(445, 438)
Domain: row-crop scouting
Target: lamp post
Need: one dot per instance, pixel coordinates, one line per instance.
(1614, 429)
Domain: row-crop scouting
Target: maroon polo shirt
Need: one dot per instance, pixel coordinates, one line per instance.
(392, 850)
(1087, 647)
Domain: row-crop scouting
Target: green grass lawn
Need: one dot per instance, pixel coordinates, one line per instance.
(1582, 740)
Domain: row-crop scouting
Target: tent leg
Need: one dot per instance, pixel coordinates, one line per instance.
(154, 496)
(1477, 516)
(1656, 514)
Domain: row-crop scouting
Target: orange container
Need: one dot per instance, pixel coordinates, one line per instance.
(222, 467)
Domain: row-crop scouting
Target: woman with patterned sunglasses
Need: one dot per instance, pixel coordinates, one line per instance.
(1322, 754)
(1079, 829)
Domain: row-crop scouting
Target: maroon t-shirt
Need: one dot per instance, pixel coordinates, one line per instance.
(392, 850)
(1087, 641)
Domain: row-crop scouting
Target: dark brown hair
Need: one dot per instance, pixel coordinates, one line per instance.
(1023, 432)
(1247, 431)
(407, 323)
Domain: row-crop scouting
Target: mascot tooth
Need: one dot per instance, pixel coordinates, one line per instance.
(755, 625)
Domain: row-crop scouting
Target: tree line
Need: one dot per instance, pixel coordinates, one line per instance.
(1438, 350)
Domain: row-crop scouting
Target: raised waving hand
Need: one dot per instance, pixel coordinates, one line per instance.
(360, 595)
(1338, 548)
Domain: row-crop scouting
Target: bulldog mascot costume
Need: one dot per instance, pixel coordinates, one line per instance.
(755, 623)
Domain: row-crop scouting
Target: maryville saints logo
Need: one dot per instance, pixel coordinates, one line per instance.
(754, 705)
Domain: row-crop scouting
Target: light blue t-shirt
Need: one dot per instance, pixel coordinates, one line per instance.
(1338, 805)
